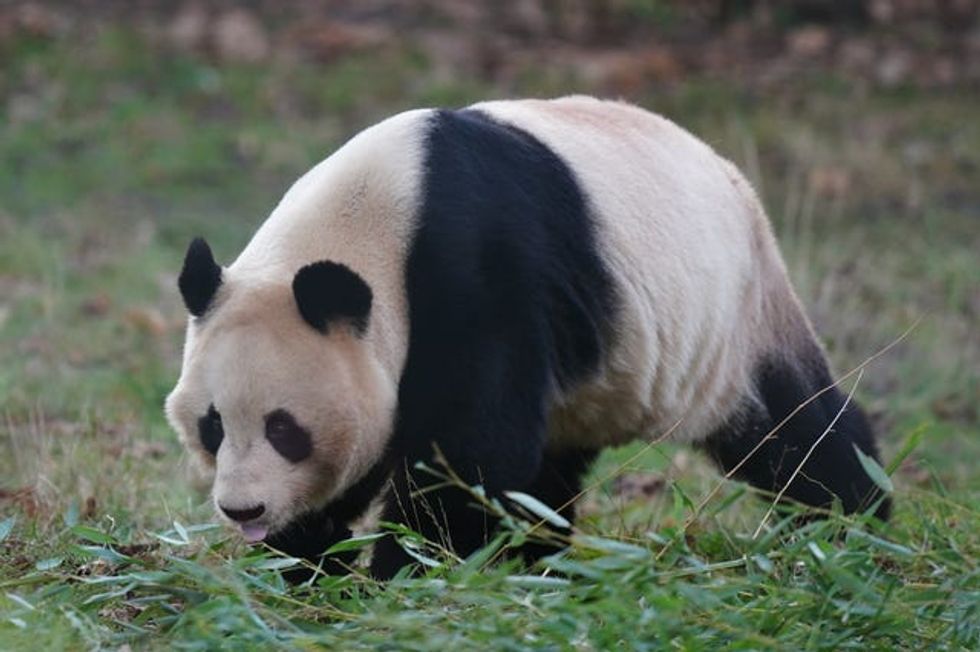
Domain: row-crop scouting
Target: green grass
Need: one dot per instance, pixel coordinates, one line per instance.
(114, 154)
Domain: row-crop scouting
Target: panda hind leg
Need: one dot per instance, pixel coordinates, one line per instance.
(817, 474)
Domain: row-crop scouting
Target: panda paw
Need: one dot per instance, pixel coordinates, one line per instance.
(308, 538)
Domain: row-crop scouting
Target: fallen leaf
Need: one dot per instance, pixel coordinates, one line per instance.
(25, 498)
(96, 306)
(189, 27)
(808, 41)
(89, 510)
(829, 181)
(238, 36)
(146, 320)
(633, 486)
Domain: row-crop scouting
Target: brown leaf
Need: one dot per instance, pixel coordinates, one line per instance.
(829, 181)
(37, 19)
(330, 39)
(123, 612)
(97, 305)
(94, 568)
(146, 320)
(633, 486)
(25, 498)
(808, 41)
(189, 27)
(135, 549)
(914, 472)
(239, 36)
(149, 449)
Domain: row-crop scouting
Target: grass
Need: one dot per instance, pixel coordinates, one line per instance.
(114, 154)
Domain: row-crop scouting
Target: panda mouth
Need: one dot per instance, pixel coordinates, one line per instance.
(254, 532)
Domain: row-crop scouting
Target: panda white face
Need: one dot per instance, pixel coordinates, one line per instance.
(285, 416)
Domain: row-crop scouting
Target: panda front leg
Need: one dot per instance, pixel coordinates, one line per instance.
(307, 538)
(450, 516)
(444, 515)
(310, 535)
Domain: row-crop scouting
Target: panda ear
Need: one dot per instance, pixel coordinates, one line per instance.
(199, 278)
(326, 291)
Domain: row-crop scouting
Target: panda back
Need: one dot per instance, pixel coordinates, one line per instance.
(699, 282)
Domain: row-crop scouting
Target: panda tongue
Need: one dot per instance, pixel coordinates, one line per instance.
(254, 532)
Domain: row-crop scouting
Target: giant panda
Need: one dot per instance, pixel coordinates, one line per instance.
(512, 286)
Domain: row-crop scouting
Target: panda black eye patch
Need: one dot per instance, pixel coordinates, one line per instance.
(290, 440)
(210, 430)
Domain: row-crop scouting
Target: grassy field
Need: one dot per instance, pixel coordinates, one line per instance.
(112, 155)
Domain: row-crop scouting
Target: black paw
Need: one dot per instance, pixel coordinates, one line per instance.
(308, 537)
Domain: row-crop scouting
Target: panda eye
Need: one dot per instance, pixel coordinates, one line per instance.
(210, 430)
(287, 437)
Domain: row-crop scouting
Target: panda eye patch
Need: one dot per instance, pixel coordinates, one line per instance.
(290, 440)
(210, 430)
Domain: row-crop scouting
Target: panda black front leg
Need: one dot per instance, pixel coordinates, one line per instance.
(307, 538)
(450, 516)
(444, 515)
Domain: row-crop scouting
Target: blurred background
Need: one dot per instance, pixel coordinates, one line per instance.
(129, 127)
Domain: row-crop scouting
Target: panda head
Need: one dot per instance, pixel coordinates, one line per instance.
(280, 396)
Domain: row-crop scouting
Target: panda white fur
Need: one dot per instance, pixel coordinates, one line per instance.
(518, 284)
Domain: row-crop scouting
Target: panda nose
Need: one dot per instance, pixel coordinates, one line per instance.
(243, 515)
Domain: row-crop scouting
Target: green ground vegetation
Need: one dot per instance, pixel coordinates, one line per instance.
(113, 154)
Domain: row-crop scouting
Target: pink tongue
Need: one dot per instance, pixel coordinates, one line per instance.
(253, 532)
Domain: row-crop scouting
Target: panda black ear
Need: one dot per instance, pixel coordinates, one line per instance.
(200, 277)
(326, 291)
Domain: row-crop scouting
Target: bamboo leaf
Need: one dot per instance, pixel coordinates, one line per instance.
(6, 526)
(91, 534)
(910, 444)
(354, 543)
(538, 508)
(874, 471)
(48, 564)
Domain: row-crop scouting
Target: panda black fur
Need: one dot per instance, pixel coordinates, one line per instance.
(518, 285)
